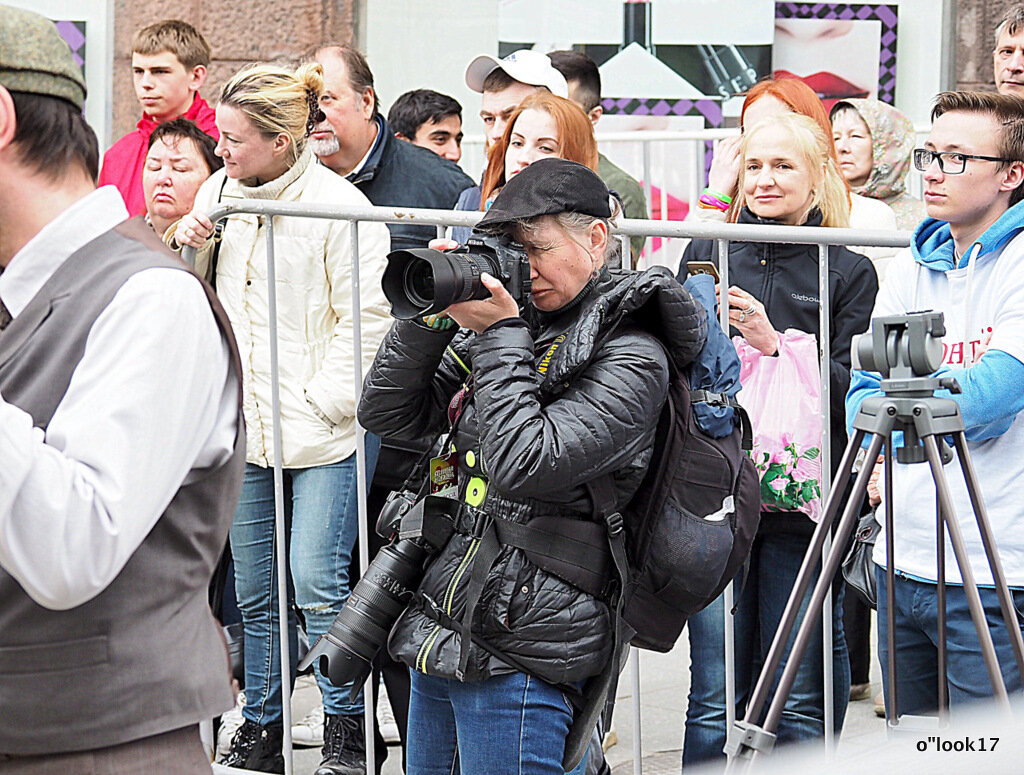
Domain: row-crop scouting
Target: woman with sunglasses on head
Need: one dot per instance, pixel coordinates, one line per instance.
(787, 176)
(264, 116)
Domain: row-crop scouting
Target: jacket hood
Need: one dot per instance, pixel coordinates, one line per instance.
(654, 301)
(932, 243)
(892, 142)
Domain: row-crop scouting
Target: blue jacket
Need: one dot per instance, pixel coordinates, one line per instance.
(991, 398)
(401, 174)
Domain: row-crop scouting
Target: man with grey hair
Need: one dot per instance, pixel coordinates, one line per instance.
(354, 140)
(122, 450)
(1008, 56)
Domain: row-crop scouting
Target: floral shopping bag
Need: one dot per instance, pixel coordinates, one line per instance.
(782, 395)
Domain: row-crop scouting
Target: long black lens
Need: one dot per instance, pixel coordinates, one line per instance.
(346, 650)
(422, 281)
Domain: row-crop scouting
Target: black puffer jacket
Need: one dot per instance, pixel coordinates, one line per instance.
(546, 415)
(784, 277)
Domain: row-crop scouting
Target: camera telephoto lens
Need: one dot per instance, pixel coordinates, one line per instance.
(423, 281)
(347, 649)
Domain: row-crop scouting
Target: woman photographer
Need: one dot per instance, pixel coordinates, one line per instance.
(787, 176)
(539, 410)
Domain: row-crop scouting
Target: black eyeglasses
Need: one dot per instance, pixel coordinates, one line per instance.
(950, 162)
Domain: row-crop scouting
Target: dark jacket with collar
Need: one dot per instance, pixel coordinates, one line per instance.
(545, 417)
(403, 175)
(784, 277)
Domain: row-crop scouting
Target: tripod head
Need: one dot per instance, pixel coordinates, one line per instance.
(907, 350)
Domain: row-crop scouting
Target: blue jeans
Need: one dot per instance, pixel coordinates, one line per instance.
(916, 631)
(774, 564)
(512, 723)
(322, 519)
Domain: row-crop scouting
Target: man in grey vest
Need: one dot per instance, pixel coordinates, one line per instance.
(121, 451)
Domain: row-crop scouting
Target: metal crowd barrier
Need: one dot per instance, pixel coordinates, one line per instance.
(722, 233)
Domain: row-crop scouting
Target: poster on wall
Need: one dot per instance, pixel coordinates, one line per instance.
(87, 27)
(683, 65)
(857, 40)
(665, 65)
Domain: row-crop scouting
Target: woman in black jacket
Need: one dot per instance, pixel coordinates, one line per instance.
(541, 404)
(787, 176)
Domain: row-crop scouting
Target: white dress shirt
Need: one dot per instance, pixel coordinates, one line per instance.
(151, 400)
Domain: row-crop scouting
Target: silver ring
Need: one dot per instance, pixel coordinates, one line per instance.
(751, 310)
(743, 315)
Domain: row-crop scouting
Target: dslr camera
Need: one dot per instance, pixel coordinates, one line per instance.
(423, 281)
(418, 529)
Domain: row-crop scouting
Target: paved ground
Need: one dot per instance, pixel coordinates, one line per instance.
(664, 681)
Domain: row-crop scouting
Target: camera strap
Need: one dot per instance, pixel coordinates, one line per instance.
(417, 481)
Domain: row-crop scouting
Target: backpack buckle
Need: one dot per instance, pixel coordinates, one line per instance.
(615, 523)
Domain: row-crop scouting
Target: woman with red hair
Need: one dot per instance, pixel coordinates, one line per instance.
(543, 125)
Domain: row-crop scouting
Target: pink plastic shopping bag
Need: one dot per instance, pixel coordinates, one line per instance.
(782, 395)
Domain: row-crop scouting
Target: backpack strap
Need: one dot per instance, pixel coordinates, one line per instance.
(575, 550)
(487, 552)
(742, 419)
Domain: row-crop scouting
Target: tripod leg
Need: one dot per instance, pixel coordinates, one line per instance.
(803, 580)
(892, 702)
(844, 532)
(940, 597)
(988, 650)
(989, 542)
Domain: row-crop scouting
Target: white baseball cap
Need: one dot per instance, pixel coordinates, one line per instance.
(525, 66)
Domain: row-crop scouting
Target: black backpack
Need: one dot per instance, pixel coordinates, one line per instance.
(688, 530)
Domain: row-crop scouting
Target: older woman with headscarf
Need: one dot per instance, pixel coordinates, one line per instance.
(874, 142)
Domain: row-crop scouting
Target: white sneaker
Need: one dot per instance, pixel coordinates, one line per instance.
(386, 719)
(229, 724)
(309, 732)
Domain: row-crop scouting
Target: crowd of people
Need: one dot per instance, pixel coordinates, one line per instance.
(137, 445)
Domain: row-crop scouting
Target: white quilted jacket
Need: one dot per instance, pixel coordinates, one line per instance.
(314, 311)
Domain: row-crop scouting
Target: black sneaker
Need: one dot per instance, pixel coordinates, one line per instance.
(256, 748)
(344, 748)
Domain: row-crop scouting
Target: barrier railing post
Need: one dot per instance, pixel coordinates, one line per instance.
(728, 600)
(280, 545)
(638, 748)
(825, 349)
(369, 700)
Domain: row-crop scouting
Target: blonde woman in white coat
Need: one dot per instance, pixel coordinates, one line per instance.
(264, 117)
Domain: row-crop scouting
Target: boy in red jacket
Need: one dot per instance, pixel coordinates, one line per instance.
(169, 61)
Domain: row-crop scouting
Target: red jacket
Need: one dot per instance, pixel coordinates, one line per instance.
(123, 162)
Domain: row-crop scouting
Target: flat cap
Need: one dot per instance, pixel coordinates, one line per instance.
(548, 187)
(34, 58)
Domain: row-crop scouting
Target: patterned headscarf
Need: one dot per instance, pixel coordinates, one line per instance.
(892, 142)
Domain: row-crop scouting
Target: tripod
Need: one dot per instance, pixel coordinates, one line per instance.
(908, 404)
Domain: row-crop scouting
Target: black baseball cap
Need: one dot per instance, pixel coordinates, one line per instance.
(548, 187)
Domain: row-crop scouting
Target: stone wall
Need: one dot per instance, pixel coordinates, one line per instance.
(976, 23)
(238, 33)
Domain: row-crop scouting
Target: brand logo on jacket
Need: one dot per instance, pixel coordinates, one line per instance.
(804, 298)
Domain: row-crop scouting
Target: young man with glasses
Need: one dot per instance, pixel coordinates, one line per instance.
(966, 261)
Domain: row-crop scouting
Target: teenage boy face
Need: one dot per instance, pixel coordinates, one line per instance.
(970, 201)
(163, 86)
(443, 137)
